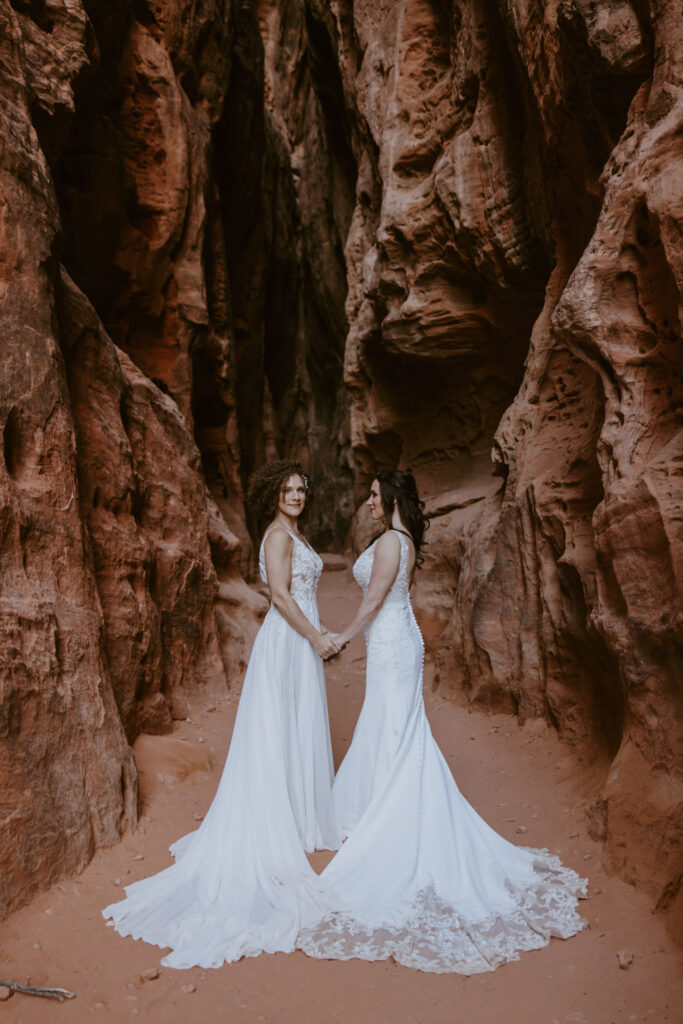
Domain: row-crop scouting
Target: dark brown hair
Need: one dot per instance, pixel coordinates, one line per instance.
(397, 486)
(265, 486)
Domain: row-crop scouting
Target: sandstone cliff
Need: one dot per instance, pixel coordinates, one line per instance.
(425, 233)
(120, 576)
(515, 270)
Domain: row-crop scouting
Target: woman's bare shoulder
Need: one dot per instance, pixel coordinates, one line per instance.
(278, 540)
(388, 547)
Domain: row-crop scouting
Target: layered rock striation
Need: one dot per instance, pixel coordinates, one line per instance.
(436, 234)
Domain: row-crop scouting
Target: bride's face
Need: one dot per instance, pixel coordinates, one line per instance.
(292, 496)
(374, 502)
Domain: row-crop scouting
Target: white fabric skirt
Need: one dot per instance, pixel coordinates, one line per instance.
(241, 883)
(422, 878)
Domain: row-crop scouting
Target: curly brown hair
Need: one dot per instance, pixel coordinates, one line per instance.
(266, 486)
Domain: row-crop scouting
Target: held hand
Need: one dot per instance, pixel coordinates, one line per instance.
(341, 643)
(338, 644)
(327, 646)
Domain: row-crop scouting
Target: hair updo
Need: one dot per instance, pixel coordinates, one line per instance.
(266, 484)
(398, 487)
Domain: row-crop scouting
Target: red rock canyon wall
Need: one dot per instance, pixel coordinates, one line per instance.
(515, 270)
(424, 233)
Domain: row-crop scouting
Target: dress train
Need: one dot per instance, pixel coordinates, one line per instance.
(421, 877)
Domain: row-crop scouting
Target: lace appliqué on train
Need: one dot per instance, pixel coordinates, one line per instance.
(432, 936)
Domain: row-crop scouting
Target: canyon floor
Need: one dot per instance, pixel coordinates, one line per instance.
(521, 779)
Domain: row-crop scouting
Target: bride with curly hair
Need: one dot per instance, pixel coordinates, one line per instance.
(241, 883)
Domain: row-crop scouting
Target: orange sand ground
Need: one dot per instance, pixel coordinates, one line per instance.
(515, 777)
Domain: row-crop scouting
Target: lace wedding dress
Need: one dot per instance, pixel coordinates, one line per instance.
(421, 877)
(241, 884)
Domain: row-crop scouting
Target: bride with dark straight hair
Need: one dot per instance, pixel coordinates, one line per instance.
(398, 492)
(421, 877)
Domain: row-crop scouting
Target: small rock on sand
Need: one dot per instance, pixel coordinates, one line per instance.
(5, 993)
(624, 959)
(151, 974)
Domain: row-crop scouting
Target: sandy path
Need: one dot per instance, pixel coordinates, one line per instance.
(515, 777)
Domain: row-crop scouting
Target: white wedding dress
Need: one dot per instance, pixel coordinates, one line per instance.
(241, 884)
(421, 877)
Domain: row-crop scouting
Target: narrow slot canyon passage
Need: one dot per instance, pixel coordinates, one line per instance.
(436, 235)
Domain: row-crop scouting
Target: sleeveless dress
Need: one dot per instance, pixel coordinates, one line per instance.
(422, 878)
(241, 883)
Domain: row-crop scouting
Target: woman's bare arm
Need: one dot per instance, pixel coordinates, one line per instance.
(278, 554)
(384, 569)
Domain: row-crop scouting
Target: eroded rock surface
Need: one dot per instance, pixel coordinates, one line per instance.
(68, 777)
(120, 575)
(514, 337)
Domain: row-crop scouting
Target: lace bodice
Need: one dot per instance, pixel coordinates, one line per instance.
(400, 588)
(307, 567)
(394, 625)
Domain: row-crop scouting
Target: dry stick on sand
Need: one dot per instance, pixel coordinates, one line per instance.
(36, 990)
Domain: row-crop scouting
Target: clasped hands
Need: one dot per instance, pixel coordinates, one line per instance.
(329, 645)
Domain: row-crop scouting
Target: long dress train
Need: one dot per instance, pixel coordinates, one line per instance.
(241, 883)
(422, 878)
